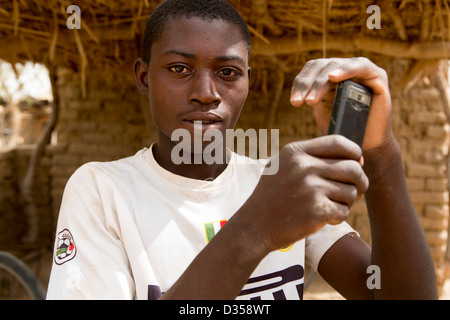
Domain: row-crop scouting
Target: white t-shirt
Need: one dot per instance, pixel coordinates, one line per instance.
(128, 229)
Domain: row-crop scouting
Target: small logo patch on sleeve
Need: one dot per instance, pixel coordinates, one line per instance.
(65, 247)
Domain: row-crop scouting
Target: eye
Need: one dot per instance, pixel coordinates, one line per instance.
(179, 69)
(229, 72)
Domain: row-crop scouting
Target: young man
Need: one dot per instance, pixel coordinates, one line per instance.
(147, 228)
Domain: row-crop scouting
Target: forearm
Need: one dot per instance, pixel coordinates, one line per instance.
(222, 268)
(399, 246)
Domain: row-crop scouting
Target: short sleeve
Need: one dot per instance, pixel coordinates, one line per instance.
(89, 260)
(318, 243)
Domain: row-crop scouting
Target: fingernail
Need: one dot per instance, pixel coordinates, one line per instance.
(311, 95)
(297, 96)
(335, 73)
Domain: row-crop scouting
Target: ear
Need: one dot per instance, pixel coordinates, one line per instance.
(249, 73)
(140, 75)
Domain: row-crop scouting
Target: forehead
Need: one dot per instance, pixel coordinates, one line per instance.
(201, 37)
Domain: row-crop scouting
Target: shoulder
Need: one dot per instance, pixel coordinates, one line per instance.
(92, 176)
(113, 169)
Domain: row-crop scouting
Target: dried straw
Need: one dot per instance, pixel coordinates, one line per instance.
(292, 30)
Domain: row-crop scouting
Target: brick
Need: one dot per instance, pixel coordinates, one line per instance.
(437, 238)
(429, 197)
(82, 148)
(59, 182)
(57, 149)
(439, 184)
(85, 126)
(432, 157)
(424, 170)
(427, 117)
(69, 92)
(434, 224)
(97, 137)
(68, 114)
(415, 184)
(438, 254)
(435, 211)
(89, 106)
(66, 160)
(437, 132)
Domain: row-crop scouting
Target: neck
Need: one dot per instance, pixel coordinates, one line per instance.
(195, 168)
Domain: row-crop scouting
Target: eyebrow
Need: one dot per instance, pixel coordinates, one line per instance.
(185, 54)
(230, 57)
(189, 55)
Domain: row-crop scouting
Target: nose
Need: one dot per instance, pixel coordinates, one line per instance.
(204, 89)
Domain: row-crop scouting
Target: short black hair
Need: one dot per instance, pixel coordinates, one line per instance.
(204, 9)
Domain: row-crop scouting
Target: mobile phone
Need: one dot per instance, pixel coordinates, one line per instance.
(350, 112)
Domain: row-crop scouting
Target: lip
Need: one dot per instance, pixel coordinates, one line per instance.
(203, 117)
(202, 120)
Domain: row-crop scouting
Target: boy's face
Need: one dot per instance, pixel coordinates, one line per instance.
(198, 71)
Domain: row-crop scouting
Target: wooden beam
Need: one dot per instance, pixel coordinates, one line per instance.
(398, 49)
(103, 34)
(275, 46)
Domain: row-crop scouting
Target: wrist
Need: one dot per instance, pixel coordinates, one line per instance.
(385, 153)
(384, 168)
(246, 234)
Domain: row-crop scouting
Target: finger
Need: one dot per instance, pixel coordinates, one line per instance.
(322, 89)
(313, 82)
(342, 193)
(328, 147)
(347, 174)
(361, 70)
(303, 81)
(331, 212)
(333, 173)
(341, 212)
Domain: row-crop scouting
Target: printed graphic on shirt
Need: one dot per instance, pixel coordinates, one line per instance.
(286, 284)
(212, 228)
(286, 249)
(65, 247)
(154, 292)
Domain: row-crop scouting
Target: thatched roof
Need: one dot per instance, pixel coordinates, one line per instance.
(285, 30)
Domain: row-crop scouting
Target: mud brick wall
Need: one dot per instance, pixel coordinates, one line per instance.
(8, 195)
(15, 223)
(422, 129)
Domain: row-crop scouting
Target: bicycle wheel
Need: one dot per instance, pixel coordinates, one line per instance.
(17, 281)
